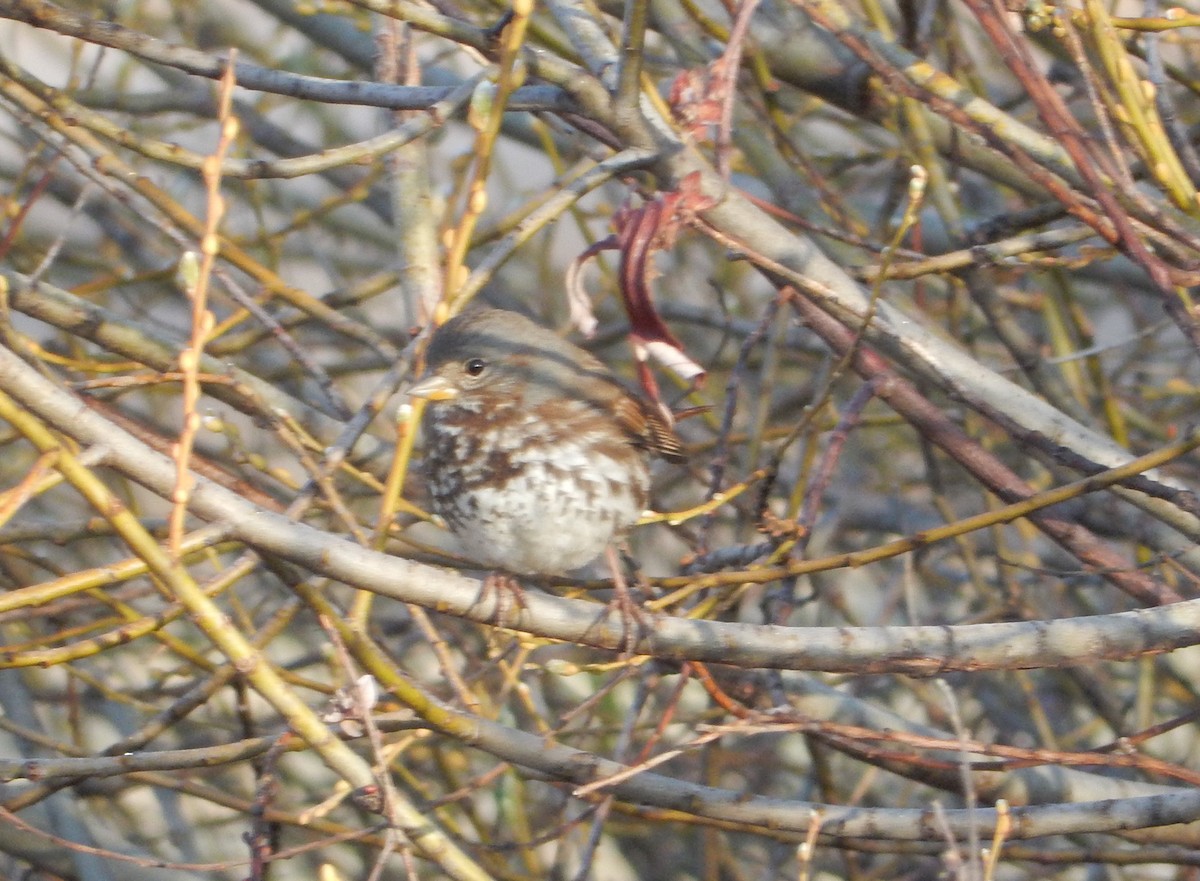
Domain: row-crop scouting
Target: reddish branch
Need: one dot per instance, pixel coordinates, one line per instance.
(933, 424)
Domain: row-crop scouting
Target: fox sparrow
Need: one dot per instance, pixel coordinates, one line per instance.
(536, 454)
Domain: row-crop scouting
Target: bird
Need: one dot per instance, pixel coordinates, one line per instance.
(536, 455)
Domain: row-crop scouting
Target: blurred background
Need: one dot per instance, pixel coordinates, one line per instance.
(956, 272)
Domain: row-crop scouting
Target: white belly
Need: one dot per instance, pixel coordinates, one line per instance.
(533, 524)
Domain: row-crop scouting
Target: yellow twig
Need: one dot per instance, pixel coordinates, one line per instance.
(486, 114)
(202, 319)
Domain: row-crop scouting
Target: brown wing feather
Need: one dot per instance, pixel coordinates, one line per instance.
(649, 428)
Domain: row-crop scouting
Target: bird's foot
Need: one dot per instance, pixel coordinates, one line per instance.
(634, 620)
(503, 588)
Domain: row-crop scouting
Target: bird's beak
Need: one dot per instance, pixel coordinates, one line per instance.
(433, 388)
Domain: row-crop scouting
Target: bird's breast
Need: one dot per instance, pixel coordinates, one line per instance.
(534, 490)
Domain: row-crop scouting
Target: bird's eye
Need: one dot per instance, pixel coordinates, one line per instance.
(475, 366)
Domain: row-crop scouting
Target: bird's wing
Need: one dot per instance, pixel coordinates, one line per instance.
(648, 428)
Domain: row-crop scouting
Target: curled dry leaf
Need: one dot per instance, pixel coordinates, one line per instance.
(696, 97)
(641, 232)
